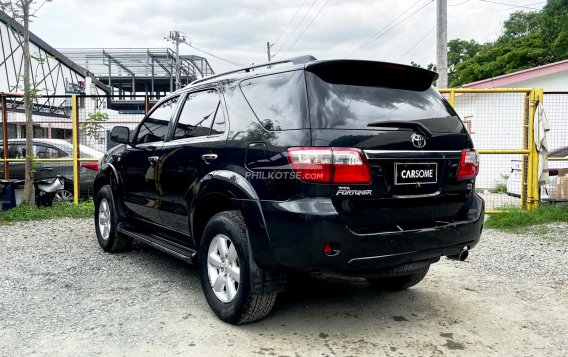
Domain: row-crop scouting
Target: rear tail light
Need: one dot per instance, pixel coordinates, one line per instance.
(469, 165)
(330, 165)
(91, 165)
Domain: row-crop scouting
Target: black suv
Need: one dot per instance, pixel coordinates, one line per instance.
(349, 166)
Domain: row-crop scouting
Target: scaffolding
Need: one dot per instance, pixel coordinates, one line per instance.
(149, 71)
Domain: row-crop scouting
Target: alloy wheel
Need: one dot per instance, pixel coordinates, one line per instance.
(223, 268)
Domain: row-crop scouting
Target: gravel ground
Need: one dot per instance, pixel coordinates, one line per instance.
(62, 295)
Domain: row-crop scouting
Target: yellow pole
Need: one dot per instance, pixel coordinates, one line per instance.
(453, 99)
(539, 97)
(532, 190)
(75, 120)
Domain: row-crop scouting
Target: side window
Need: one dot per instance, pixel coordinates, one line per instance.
(18, 151)
(278, 100)
(47, 152)
(197, 115)
(155, 126)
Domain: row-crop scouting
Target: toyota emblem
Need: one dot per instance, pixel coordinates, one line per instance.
(418, 141)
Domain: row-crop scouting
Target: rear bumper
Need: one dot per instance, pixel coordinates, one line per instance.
(299, 230)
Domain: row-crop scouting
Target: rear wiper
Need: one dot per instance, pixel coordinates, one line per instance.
(403, 124)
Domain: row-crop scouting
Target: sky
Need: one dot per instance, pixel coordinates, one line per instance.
(398, 31)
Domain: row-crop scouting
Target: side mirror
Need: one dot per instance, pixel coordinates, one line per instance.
(120, 135)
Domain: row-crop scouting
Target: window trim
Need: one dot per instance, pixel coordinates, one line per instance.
(174, 115)
(220, 109)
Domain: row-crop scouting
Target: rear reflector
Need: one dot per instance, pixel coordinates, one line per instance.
(469, 165)
(330, 165)
(91, 165)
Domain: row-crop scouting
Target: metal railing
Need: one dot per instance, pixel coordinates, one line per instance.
(531, 98)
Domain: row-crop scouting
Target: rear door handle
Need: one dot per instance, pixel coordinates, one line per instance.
(208, 157)
(153, 159)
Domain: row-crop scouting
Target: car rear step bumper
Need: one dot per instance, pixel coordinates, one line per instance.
(299, 231)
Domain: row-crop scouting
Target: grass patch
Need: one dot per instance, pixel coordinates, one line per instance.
(515, 220)
(28, 213)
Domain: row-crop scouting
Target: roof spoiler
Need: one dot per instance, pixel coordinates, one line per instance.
(373, 74)
(294, 60)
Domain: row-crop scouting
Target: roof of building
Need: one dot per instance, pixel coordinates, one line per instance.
(10, 22)
(507, 80)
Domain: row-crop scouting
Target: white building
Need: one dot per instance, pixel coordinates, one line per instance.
(495, 121)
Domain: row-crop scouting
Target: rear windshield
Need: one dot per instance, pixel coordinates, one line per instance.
(345, 106)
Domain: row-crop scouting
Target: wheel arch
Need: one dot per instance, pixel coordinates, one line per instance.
(225, 190)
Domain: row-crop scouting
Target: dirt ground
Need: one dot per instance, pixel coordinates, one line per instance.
(78, 300)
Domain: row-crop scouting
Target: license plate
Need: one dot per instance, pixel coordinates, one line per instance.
(415, 173)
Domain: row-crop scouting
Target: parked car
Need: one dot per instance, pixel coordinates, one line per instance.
(54, 149)
(548, 191)
(356, 167)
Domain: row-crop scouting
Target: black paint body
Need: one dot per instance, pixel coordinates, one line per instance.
(320, 104)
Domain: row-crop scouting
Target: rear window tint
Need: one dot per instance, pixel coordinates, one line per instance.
(344, 106)
(278, 100)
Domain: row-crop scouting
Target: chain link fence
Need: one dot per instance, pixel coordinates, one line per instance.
(556, 111)
(500, 122)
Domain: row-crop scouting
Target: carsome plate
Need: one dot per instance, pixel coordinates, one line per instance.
(412, 173)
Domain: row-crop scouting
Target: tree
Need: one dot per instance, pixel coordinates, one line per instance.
(24, 11)
(529, 39)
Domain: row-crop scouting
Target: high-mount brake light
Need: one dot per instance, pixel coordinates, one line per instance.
(469, 165)
(330, 165)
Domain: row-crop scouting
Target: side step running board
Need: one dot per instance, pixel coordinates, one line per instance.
(159, 243)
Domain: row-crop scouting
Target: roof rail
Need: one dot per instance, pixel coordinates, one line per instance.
(293, 60)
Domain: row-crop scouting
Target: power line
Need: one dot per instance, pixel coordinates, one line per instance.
(386, 28)
(492, 12)
(307, 27)
(285, 28)
(290, 22)
(461, 3)
(295, 28)
(513, 5)
(417, 43)
(400, 22)
(212, 55)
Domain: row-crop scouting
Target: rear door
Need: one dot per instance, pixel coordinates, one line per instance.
(410, 136)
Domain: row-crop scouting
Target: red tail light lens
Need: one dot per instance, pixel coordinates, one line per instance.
(350, 166)
(552, 172)
(469, 165)
(330, 165)
(91, 166)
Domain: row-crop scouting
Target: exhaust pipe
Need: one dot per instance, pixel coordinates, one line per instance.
(461, 256)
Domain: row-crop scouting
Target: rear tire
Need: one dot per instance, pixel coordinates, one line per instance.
(402, 282)
(224, 266)
(106, 221)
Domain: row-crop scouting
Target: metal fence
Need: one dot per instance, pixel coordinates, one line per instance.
(70, 133)
(501, 123)
(556, 111)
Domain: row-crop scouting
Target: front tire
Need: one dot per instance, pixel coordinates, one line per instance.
(106, 221)
(224, 265)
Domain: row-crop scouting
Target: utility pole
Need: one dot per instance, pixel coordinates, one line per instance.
(176, 38)
(442, 46)
(268, 47)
